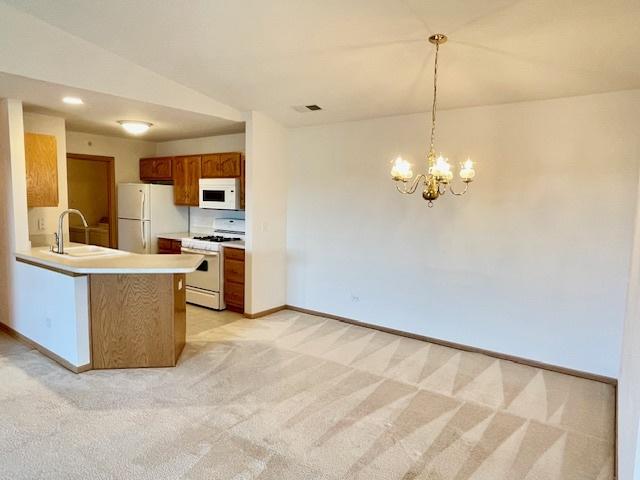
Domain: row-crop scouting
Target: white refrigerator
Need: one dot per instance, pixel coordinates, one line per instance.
(144, 211)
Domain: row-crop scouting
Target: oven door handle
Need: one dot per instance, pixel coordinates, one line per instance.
(199, 252)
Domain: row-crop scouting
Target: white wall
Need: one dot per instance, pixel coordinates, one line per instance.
(57, 316)
(533, 262)
(14, 230)
(219, 143)
(127, 153)
(266, 211)
(49, 125)
(629, 379)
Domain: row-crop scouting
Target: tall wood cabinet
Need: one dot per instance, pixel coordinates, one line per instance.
(41, 161)
(186, 178)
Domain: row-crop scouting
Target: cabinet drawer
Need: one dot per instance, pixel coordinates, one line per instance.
(234, 253)
(234, 294)
(233, 270)
(164, 245)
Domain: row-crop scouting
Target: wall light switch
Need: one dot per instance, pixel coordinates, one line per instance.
(41, 225)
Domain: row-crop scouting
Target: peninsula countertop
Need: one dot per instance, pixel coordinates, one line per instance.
(117, 263)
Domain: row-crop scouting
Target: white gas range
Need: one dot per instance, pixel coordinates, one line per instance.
(205, 286)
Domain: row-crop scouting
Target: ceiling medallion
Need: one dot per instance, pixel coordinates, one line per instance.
(439, 174)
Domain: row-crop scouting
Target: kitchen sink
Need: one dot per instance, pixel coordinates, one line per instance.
(87, 251)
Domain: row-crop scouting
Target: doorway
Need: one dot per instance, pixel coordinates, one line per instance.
(92, 190)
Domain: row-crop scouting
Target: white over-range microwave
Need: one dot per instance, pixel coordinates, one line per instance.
(220, 193)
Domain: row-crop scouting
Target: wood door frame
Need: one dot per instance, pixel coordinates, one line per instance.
(112, 205)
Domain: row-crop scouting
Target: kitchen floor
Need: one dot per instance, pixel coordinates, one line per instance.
(294, 396)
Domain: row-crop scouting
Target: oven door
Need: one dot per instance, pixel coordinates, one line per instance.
(218, 197)
(207, 275)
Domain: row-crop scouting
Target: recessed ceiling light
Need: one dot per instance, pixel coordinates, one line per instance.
(135, 127)
(72, 100)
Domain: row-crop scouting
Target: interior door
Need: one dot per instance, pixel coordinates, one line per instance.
(134, 235)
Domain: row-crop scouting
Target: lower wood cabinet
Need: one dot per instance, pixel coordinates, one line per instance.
(137, 320)
(169, 246)
(234, 279)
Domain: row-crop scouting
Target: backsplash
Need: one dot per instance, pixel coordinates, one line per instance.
(201, 220)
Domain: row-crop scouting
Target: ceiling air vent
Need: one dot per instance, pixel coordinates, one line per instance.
(307, 108)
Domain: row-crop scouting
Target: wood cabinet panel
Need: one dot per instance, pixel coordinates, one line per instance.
(179, 314)
(156, 169)
(41, 161)
(169, 246)
(186, 177)
(234, 296)
(136, 320)
(234, 278)
(211, 166)
(230, 165)
(234, 270)
(234, 253)
(164, 245)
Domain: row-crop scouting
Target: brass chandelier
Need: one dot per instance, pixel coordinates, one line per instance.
(437, 180)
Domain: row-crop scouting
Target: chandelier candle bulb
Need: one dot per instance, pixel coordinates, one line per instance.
(401, 170)
(466, 171)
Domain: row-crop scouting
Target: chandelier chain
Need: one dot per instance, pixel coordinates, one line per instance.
(435, 94)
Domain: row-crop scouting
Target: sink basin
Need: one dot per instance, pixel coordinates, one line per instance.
(87, 251)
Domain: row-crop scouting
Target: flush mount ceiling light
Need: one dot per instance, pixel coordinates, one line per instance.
(72, 101)
(438, 174)
(135, 127)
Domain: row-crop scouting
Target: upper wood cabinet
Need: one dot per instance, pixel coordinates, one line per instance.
(186, 179)
(41, 158)
(156, 169)
(222, 165)
(211, 165)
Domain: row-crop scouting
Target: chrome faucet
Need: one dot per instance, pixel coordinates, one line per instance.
(58, 245)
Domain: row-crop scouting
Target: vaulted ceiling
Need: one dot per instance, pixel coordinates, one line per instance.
(365, 58)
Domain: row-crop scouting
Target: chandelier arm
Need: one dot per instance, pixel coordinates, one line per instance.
(413, 187)
(466, 187)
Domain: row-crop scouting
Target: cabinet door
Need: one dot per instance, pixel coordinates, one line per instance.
(155, 168)
(41, 161)
(186, 178)
(211, 166)
(230, 165)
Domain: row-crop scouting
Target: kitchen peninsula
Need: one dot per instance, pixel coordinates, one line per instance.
(97, 308)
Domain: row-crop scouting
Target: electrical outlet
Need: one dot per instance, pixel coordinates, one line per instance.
(41, 225)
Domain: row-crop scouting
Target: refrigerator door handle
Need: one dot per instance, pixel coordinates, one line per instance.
(144, 238)
(142, 202)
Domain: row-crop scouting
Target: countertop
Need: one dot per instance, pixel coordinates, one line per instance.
(181, 235)
(236, 244)
(124, 263)
(175, 236)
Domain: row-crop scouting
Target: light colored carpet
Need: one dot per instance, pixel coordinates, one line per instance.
(293, 396)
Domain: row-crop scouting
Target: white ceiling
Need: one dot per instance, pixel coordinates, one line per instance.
(365, 58)
(100, 112)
